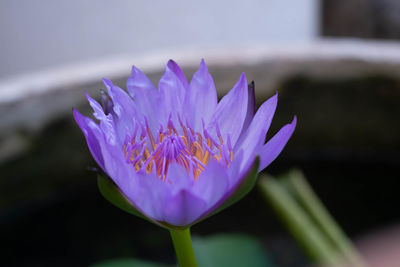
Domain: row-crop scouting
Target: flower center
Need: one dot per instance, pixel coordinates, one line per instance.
(184, 146)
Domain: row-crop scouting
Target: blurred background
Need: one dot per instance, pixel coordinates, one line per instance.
(336, 64)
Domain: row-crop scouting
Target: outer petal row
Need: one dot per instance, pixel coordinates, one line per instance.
(92, 133)
(178, 201)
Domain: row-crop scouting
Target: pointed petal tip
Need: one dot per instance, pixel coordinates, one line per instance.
(108, 83)
(134, 71)
(294, 121)
(171, 64)
(275, 145)
(251, 85)
(274, 100)
(271, 103)
(88, 97)
(75, 113)
(243, 80)
(203, 65)
(79, 118)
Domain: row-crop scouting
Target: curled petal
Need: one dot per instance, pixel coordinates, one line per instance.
(123, 108)
(98, 111)
(92, 134)
(106, 121)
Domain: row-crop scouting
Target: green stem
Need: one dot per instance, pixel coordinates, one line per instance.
(183, 247)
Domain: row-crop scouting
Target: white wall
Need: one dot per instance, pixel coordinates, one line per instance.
(40, 34)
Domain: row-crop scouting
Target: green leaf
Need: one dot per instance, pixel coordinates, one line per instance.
(112, 193)
(230, 250)
(129, 263)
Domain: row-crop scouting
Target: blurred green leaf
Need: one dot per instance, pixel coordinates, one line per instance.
(230, 250)
(233, 250)
(129, 263)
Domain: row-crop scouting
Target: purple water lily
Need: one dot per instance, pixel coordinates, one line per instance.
(176, 153)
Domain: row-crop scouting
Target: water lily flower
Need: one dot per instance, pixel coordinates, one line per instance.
(175, 154)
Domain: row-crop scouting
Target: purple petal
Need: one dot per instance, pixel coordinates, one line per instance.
(274, 146)
(178, 179)
(122, 103)
(106, 121)
(139, 81)
(144, 191)
(98, 111)
(147, 192)
(254, 137)
(151, 194)
(212, 183)
(251, 106)
(178, 200)
(235, 178)
(92, 134)
(174, 67)
(145, 96)
(231, 111)
(123, 109)
(201, 99)
(183, 208)
(171, 200)
(234, 168)
(172, 93)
